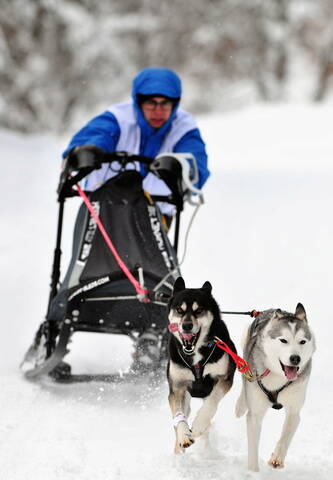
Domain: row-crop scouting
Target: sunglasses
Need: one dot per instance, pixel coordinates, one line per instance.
(153, 104)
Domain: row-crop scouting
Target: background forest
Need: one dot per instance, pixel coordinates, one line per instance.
(64, 59)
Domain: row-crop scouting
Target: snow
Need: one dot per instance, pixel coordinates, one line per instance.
(263, 239)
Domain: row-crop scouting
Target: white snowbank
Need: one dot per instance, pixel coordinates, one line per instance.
(263, 238)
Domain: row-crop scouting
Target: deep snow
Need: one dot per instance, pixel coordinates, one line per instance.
(263, 238)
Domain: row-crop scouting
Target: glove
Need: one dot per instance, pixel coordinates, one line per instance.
(85, 156)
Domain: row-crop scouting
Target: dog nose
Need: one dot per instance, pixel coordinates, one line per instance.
(295, 359)
(187, 326)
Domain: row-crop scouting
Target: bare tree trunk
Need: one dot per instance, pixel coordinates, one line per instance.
(273, 26)
(325, 72)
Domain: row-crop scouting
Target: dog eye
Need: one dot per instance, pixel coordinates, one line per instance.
(198, 311)
(180, 311)
(302, 342)
(283, 340)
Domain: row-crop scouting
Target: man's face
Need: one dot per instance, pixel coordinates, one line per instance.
(157, 111)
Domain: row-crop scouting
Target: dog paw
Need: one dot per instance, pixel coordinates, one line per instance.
(184, 437)
(187, 441)
(275, 461)
(183, 443)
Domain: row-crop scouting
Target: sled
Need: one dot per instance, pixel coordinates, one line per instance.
(96, 295)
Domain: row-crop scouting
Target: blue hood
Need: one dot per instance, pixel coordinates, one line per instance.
(155, 81)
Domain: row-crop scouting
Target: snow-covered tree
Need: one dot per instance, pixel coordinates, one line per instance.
(62, 61)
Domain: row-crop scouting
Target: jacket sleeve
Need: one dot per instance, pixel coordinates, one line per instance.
(102, 131)
(192, 142)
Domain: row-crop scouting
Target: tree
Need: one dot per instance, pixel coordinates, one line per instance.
(64, 60)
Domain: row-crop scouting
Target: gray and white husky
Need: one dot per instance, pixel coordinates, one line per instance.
(278, 347)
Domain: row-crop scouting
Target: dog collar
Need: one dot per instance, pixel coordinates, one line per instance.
(263, 375)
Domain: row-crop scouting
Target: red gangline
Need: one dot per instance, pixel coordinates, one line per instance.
(242, 365)
(138, 287)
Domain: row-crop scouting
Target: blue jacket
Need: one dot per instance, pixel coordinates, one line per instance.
(104, 130)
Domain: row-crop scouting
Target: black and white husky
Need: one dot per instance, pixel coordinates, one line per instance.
(196, 366)
(278, 347)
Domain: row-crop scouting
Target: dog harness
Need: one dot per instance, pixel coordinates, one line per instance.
(273, 395)
(198, 368)
(201, 386)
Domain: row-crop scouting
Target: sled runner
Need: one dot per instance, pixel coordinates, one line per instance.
(123, 264)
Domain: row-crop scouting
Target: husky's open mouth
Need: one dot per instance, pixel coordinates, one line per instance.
(289, 371)
(189, 340)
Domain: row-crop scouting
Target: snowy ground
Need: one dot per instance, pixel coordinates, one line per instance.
(263, 239)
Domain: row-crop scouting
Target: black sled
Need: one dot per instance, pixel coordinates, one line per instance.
(95, 295)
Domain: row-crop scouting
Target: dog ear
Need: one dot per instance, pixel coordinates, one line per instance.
(207, 286)
(278, 314)
(179, 285)
(300, 312)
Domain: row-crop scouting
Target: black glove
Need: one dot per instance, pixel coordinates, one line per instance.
(85, 156)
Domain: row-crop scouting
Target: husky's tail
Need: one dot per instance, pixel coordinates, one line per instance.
(241, 405)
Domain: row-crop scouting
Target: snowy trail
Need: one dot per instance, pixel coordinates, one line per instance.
(263, 239)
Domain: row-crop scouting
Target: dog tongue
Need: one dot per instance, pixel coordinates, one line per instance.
(290, 372)
(187, 336)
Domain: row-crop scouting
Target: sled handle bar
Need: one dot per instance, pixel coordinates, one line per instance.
(88, 159)
(178, 171)
(71, 175)
(125, 157)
